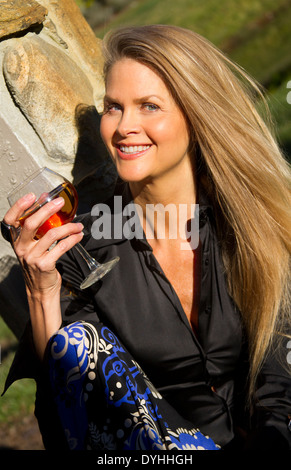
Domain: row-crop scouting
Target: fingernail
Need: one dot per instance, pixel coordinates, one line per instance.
(29, 196)
(58, 201)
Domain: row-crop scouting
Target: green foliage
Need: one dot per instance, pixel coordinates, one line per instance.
(19, 399)
(281, 112)
(215, 20)
(84, 3)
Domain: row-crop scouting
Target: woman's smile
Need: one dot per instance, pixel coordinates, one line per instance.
(131, 152)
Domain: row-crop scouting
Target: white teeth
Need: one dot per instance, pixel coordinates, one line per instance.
(134, 149)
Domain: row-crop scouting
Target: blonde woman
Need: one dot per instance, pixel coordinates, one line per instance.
(186, 333)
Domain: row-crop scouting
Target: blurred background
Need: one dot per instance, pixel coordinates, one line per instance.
(255, 34)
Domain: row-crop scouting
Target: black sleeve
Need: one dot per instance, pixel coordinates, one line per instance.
(271, 426)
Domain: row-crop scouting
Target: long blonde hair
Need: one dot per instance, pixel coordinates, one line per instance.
(239, 162)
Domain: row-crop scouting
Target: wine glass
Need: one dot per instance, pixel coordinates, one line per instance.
(47, 185)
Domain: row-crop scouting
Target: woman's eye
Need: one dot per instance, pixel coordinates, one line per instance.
(150, 106)
(111, 108)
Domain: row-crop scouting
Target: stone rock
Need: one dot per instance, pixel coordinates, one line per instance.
(51, 31)
(83, 45)
(47, 86)
(20, 15)
(15, 163)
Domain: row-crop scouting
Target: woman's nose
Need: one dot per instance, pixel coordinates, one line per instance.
(128, 124)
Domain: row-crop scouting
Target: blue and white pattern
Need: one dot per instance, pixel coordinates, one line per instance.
(104, 399)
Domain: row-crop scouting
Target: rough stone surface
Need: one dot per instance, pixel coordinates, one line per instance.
(15, 164)
(47, 87)
(82, 43)
(11, 153)
(20, 15)
(50, 80)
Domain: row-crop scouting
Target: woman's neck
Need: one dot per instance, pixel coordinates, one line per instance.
(165, 205)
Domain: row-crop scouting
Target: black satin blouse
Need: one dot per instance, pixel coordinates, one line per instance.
(203, 375)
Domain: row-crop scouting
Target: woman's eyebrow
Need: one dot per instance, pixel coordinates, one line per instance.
(148, 98)
(111, 99)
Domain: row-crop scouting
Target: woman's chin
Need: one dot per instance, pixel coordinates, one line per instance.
(133, 176)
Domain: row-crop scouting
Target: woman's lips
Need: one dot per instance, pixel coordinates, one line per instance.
(131, 152)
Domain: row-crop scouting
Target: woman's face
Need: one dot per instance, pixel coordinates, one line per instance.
(142, 126)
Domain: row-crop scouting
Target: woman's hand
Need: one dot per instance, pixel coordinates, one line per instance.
(38, 261)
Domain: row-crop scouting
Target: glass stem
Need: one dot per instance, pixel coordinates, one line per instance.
(91, 262)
